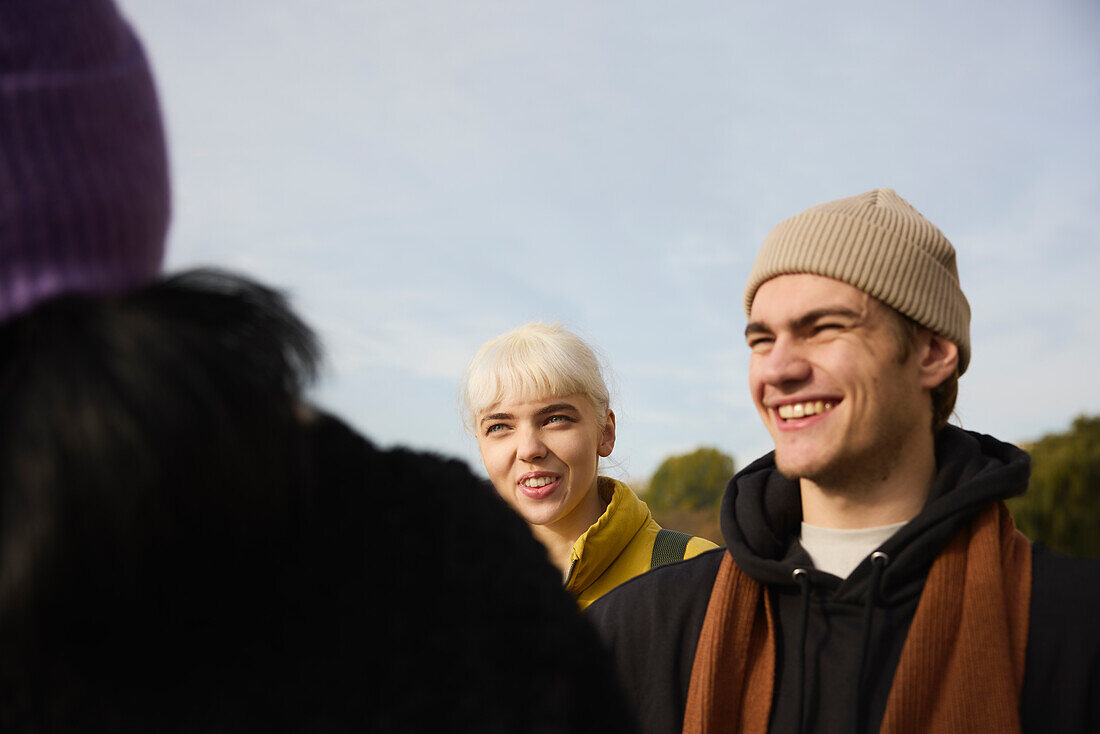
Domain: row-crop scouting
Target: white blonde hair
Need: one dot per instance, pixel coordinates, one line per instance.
(531, 362)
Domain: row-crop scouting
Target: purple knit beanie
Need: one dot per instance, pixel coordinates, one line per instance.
(83, 166)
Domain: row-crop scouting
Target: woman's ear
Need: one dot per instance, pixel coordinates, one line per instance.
(939, 359)
(607, 437)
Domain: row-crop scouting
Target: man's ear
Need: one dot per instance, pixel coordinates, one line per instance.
(939, 359)
(607, 437)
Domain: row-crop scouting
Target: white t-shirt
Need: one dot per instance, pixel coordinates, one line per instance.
(840, 551)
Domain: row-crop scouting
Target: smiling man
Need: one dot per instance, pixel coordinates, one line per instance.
(873, 579)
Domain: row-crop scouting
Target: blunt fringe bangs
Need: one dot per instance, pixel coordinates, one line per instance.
(531, 362)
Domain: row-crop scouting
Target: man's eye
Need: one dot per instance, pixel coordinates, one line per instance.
(759, 341)
(559, 419)
(818, 328)
(495, 428)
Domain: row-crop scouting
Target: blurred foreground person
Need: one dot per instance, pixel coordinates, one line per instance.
(536, 400)
(874, 580)
(185, 545)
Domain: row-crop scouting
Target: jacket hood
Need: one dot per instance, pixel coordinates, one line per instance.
(762, 513)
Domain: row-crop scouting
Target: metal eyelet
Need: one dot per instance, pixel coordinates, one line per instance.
(798, 574)
(879, 556)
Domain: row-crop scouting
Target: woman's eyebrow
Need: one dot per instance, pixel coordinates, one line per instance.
(555, 408)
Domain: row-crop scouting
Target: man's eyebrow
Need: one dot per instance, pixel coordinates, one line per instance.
(806, 319)
(496, 417)
(817, 314)
(756, 327)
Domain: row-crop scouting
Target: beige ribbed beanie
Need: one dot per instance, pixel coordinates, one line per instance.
(880, 244)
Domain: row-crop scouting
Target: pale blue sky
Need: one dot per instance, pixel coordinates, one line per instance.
(421, 176)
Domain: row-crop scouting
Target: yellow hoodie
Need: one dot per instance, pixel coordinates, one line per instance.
(618, 546)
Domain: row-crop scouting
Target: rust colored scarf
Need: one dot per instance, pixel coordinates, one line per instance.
(962, 666)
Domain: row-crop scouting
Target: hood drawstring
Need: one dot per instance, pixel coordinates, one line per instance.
(879, 561)
(802, 578)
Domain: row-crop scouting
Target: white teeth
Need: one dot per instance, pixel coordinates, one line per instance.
(536, 482)
(791, 411)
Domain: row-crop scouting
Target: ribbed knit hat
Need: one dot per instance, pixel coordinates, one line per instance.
(83, 167)
(878, 243)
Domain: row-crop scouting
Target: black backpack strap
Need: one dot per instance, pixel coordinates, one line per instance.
(669, 546)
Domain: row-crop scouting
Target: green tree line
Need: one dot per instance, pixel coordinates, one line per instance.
(1062, 505)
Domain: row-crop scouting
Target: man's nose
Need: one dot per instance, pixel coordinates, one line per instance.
(785, 363)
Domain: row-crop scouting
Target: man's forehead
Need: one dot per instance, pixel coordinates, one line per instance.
(791, 296)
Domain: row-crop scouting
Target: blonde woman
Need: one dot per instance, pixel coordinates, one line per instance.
(536, 400)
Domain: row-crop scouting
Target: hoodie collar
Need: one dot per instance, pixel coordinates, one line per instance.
(762, 510)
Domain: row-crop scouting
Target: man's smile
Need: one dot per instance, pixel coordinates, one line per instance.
(805, 409)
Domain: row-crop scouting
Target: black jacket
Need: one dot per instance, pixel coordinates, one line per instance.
(652, 623)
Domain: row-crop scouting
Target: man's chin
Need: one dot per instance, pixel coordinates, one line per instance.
(789, 473)
(798, 467)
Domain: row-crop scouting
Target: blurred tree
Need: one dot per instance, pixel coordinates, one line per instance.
(1062, 504)
(693, 481)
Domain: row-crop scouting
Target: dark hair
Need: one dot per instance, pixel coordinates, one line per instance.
(143, 480)
(185, 546)
(946, 393)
